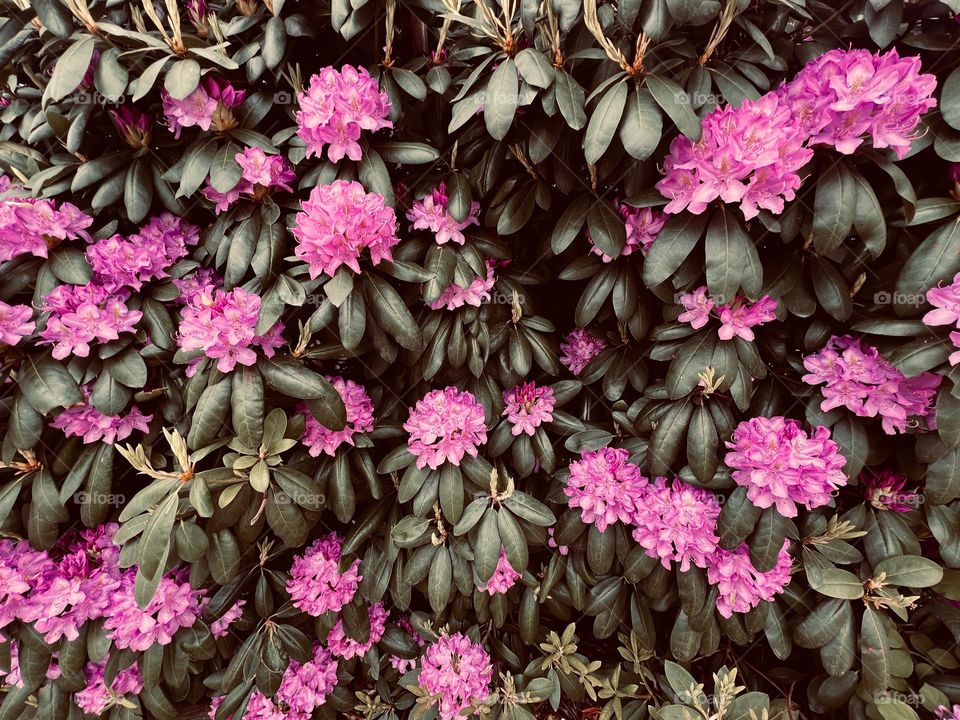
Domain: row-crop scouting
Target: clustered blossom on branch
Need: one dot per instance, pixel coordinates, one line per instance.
(457, 671)
(316, 584)
(320, 439)
(578, 348)
(856, 376)
(884, 490)
(504, 576)
(475, 294)
(606, 486)
(343, 646)
(210, 104)
(33, 225)
(16, 323)
(338, 222)
(96, 697)
(781, 465)
(736, 319)
(222, 326)
(303, 688)
(82, 314)
(261, 173)
(220, 626)
(642, 227)
(527, 407)
(740, 585)
(337, 106)
(946, 302)
(432, 213)
(444, 426)
(85, 421)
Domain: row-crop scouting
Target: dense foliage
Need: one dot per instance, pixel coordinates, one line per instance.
(531, 359)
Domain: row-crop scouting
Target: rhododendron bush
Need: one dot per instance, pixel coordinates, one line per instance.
(449, 358)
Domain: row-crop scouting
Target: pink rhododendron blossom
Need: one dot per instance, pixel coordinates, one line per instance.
(527, 406)
(781, 465)
(85, 421)
(856, 376)
(208, 105)
(95, 698)
(220, 626)
(457, 672)
(16, 322)
(740, 585)
(261, 173)
(305, 686)
(946, 303)
(82, 314)
(642, 226)
(195, 284)
(884, 490)
(317, 585)
(945, 712)
(845, 95)
(606, 486)
(33, 225)
(343, 646)
(676, 522)
(320, 439)
(478, 292)
(578, 348)
(504, 576)
(736, 319)
(431, 213)
(338, 222)
(222, 326)
(174, 605)
(552, 542)
(444, 426)
(405, 665)
(336, 107)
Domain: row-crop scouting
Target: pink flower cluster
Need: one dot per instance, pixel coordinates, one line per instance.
(119, 262)
(527, 407)
(316, 583)
(504, 576)
(405, 665)
(303, 688)
(220, 626)
(444, 426)
(96, 697)
(343, 646)
(16, 322)
(200, 108)
(780, 465)
(578, 348)
(945, 712)
(337, 106)
(856, 376)
(736, 319)
(946, 301)
(33, 226)
(196, 283)
(676, 522)
(320, 439)
(642, 224)
(85, 421)
(82, 314)
(174, 605)
(606, 486)
(475, 294)
(222, 326)
(457, 672)
(884, 491)
(338, 222)
(740, 585)
(431, 213)
(260, 173)
(844, 95)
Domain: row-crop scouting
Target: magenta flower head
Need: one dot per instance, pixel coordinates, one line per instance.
(197, 11)
(642, 226)
(34, 226)
(504, 576)
(780, 465)
(16, 323)
(578, 348)
(444, 426)
(343, 646)
(305, 687)
(475, 294)
(135, 126)
(737, 318)
(320, 439)
(85, 421)
(220, 626)
(677, 522)
(174, 605)
(338, 222)
(82, 314)
(884, 491)
(336, 108)
(606, 486)
(457, 672)
(946, 302)
(96, 697)
(316, 584)
(527, 406)
(740, 586)
(431, 213)
(945, 712)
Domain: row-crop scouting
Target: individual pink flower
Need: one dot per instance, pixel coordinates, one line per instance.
(195, 110)
(606, 486)
(856, 376)
(320, 439)
(475, 294)
(306, 686)
(676, 522)
(220, 626)
(431, 213)
(261, 172)
(946, 301)
(642, 227)
(33, 225)
(405, 665)
(944, 712)
(95, 698)
(82, 314)
(504, 576)
(444, 426)
(317, 585)
(457, 672)
(737, 318)
(174, 605)
(336, 107)
(578, 348)
(697, 306)
(527, 406)
(343, 646)
(193, 285)
(85, 421)
(740, 586)
(884, 491)
(16, 323)
(781, 466)
(338, 222)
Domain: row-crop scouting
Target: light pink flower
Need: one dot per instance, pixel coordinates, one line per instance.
(676, 522)
(527, 407)
(320, 439)
(458, 672)
(740, 585)
(606, 486)
(444, 426)
(578, 348)
(431, 213)
(317, 585)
